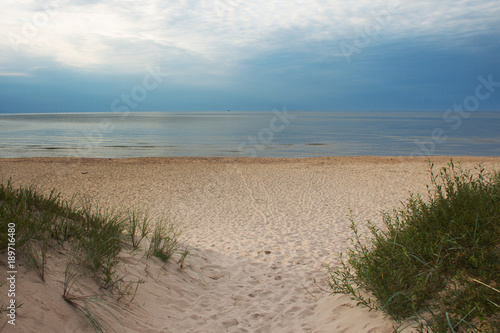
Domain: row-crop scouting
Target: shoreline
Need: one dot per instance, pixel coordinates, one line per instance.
(263, 160)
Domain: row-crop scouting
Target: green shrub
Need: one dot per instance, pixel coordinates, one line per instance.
(437, 261)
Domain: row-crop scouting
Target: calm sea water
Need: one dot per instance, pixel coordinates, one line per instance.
(266, 134)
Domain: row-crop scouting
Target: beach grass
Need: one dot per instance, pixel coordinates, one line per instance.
(436, 264)
(138, 227)
(94, 237)
(165, 240)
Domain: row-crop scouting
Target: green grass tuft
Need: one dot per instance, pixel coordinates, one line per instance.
(437, 261)
(165, 240)
(138, 227)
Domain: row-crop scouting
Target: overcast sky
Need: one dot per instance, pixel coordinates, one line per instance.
(90, 56)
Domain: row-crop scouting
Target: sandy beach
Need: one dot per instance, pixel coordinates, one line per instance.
(259, 232)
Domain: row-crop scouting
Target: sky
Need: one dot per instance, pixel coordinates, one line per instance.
(201, 55)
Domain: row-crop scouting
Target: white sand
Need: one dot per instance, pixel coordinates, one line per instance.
(259, 231)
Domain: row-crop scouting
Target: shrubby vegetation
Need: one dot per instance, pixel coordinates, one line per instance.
(437, 261)
(95, 236)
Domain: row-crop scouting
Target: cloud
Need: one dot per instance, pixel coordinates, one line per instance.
(127, 35)
(257, 54)
(14, 74)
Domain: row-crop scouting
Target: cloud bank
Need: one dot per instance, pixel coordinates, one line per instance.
(218, 43)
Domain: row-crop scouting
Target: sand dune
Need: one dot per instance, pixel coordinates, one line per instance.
(259, 231)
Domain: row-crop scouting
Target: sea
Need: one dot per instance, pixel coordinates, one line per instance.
(276, 133)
